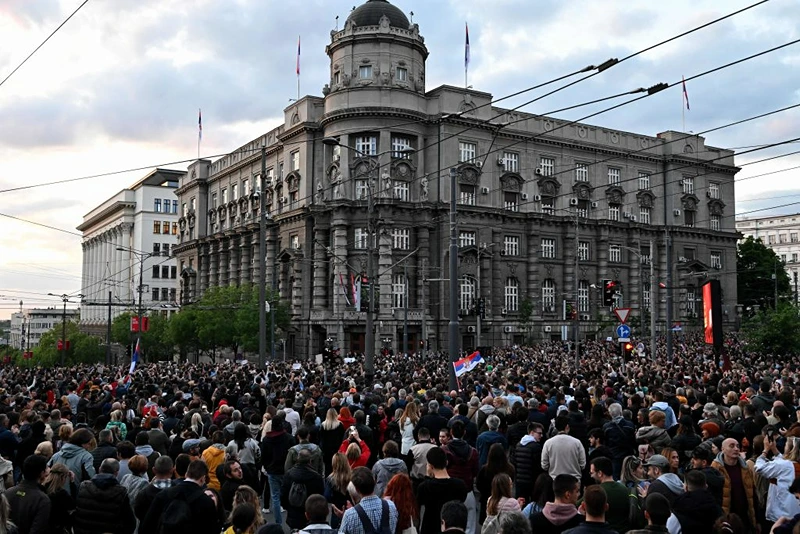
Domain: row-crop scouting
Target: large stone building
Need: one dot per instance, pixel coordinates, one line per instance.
(522, 178)
(781, 233)
(138, 224)
(28, 326)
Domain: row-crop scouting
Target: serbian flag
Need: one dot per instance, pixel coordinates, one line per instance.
(199, 125)
(344, 289)
(466, 46)
(298, 55)
(468, 363)
(134, 358)
(685, 94)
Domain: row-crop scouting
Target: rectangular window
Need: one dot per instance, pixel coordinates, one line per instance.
(583, 296)
(402, 74)
(246, 187)
(644, 181)
(165, 294)
(466, 194)
(549, 296)
(174, 206)
(688, 218)
(270, 175)
(614, 253)
(224, 196)
(235, 192)
(398, 291)
(156, 271)
(713, 190)
(794, 257)
(400, 145)
(644, 215)
(295, 159)
(165, 227)
(466, 151)
(511, 201)
(548, 166)
(174, 228)
(173, 294)
(280, 171)
(771, 240)
(192, 204)
(512, 295)
(292, 197)
(793, 237)
(156, 227)
(155, 294)
(214, 201)
(157, 205)
(511, 245)
(644, 256)
(510, 161)
(714, 222)
(716, 260)
(688, 185)
(365, 72)
(165, 271)
(783, 258)
(184, 209)
(646, 296)
(366, 145)
(583, 251)
(581, 172)
(401, 238)
(294, 242)
(401, 190)
(782, 238)
(548, 247)
(336, 78)
(613, 213)
(165, 246)
(361, 237)
(548, 205)
(156, 249)
(362, 190)
(613, 176)
(466, 239)
(173, 272)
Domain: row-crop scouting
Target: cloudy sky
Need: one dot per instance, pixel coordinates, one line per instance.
(118, 87)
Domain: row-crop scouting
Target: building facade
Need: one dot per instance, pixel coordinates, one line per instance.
(781, 233)
(134, 231)
(28, 326)
(523, 181)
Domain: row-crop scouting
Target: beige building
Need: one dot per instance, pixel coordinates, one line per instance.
(781, 233)
(522, 178)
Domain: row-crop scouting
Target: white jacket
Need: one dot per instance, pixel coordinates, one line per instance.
(407, 432)
(779, 501)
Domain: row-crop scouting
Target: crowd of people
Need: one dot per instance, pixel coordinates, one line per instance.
(527, 443)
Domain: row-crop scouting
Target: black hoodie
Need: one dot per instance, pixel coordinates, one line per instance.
(274, 449)
(696, 511)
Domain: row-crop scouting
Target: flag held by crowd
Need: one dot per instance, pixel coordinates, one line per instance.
(468, 363)
(134, 358)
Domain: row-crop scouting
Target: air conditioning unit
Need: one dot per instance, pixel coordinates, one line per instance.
(484, 190)
(708, 194)
(501, 162)
(626, 215)
(573, 202)
(594, 205)
(508, 329)
(524, 196)
(633, 218)
(548, 328)
(537, 198)
(284, 200)
(585, 317)
(504, 311)
(471, 329)
(538, 171)
(676, 213)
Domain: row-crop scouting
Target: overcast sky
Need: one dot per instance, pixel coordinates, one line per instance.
(118, 87)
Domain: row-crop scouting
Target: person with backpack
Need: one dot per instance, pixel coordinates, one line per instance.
(371, 515)
(298, 483)
(389, 466)
(184, 507)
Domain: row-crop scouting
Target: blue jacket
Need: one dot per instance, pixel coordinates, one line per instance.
(486, 440)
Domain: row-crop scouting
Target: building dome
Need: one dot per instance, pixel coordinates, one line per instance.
(370, 13)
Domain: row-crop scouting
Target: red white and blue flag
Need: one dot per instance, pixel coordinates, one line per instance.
(466, 46)
(468, 363)
(199, 125)
(298, 55)
(685, 94)
(134, 358)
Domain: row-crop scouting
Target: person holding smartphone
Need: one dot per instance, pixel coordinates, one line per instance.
(355, 449)
(779, 469)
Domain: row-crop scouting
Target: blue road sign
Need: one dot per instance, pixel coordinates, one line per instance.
(623, 331)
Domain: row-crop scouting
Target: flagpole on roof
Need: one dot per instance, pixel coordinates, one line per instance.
(466, 55)
(298, 67)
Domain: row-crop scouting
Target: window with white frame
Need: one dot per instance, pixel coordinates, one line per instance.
(365, 72)
(511, 200)
(280, 170)
(716, 260)
(581, 172)
(548, 247)
(193, 204)
(691, 301)
(466, 294)
(466, 194)
(614, 253)
(794, 257)
(547, 165)
(510, 161)
(548, 205)
(646, 297)
(398, 291)
(583, 296)
(295, 158)
(512, 294)
(613, 176)
(235, 192)
(294, 242)
(401, 238)
(399, 146)
(644, 181)
(174, 206)
(362, 190)
(549, 295)
(361, 238)
(270, 174)
(366, 145)
(214, 201)
(466, 151)
(157, 205)
(688, 185)
(467, 238)
(224, 196)
(782, 238)
(644, 215)
(401, 190)
(713, 190)
(644, 255)
(511, 245)
(401, 74)
(783, 258)
(714, 222)
(613, 212)
(246, 187)
(771, 239)
(793, 237)
(583, 250)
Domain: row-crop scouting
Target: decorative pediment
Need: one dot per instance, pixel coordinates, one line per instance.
(582, 190)
(689, 202)
(290, 254)
(615, 194)
(362, 168)
(403, 170)
(469, 173)
(716, 207)
(511, 181)
(646, 199)
(188, 272)
(693, 266)
(293, 181)
(548, 186)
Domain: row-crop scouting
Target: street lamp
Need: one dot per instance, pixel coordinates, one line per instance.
(369, 341)
(141, 256)
(64, 298)
(482, 249)
(576, 321)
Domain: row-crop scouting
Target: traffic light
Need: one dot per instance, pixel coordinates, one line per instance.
(627, 350)
(609, 289)
(482, 308)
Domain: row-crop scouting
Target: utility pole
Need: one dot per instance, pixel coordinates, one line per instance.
(795, 289)
(405, 309)
(653, 301)
(272, 313)
(424, 307)
(453, 326)
(262, 264)
(142, 256)
(64, 298)
(668, 244)
(108, 332)
(576, 310)
(369, 337)
(775, 280)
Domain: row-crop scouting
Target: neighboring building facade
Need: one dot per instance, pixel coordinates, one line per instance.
(781, 233)
(521, 179)
(144, 219)
(28, 326)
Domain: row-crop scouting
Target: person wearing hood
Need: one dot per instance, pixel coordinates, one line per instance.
(527, 460)
(662, 406)
(389, 466)
(562, 514)
(214, 456)
(780, 471)
(28, 445)
(103, 505)
(274, 449)
(695, 510)
(739, 485)
(76, 456)
(654, 434)
(304, 444)
(144, 448)
(663, 482)
(764, 400)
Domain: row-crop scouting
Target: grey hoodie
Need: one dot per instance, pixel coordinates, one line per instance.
(673, 482)
(78, 460)
(384, 470)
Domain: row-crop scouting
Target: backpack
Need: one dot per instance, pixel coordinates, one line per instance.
(367, 525)
(298, 495)
(177, 516)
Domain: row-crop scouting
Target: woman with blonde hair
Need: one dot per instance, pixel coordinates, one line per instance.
(45, 449)
(64, 433)
(62, 504)
(331, 434)
(117, 426)
(197, 424)
(356, 450)
(244, 495)
(408, 422)
(336, 486)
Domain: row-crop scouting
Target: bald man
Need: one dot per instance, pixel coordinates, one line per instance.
(737, 491)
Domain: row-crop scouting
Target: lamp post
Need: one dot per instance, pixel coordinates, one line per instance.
(482, 249)
(652, 296)
(64, 298)
(576, 321)
(141, 256)
(369, 337)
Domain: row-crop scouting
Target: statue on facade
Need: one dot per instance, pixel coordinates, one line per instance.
(423, 185)
(386, 180)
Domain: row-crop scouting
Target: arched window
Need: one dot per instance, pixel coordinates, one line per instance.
(467, 296)
(512, 294)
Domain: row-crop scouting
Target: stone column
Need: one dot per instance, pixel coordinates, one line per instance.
(213, 261)
(245, 263)
(534, 286)
(233, 261)
(384, 265)
(320, 270)
(297, 283)
(223, 262)
(273, 246)
(126, 263)
(340, 251)
(423, 261)
(203, 262)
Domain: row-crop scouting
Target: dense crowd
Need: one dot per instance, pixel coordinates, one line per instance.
(528, 443)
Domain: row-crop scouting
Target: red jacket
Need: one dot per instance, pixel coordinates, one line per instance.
(362, 460)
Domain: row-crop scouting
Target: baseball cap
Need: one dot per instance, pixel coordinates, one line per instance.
(657, 460)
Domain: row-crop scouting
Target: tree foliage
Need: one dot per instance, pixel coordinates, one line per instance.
(756, 265)
(83, 348)
(774, 331)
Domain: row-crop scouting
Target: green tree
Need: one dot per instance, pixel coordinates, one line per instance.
(83, 348)
(756, 265)
(157, 343)
(774, 331)
(121, 328)
(526, 316)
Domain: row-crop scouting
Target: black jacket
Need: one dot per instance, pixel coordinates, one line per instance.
(274, 449)
(144, 500)
(301, 474)
(103, 506)
(30, 507)
(204, 513)
(514, 434)
(528, 462)
(101, 452)
(433, 422)
(62, 504)
(620, 437)
(696, 511)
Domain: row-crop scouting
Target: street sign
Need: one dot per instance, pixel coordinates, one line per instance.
(622, 314)
(623, 332)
